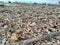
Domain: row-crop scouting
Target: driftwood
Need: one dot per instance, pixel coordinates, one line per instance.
(38, 38)
(51, 35)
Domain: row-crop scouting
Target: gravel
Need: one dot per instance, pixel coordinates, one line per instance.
(25, 21)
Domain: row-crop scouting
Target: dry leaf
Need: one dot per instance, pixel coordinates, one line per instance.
(15, 37)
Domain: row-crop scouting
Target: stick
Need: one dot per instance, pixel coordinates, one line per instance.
(51, 35)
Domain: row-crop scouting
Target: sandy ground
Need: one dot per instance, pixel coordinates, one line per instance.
(19, 22)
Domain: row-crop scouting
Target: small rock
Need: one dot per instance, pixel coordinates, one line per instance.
(33, 24)
(5, 26)
(4, 41)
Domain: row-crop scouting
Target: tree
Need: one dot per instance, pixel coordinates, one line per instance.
(9, 2)
(59, 2)
(35, 3)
